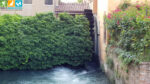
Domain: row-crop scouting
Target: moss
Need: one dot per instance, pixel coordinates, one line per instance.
(110, 63)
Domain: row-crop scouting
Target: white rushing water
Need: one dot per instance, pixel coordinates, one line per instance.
(60, 75)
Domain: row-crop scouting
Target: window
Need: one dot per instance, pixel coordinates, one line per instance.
(48, 2)
(27, 1)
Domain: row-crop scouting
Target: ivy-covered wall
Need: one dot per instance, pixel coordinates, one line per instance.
(43, 41)
(118, 73)
(128, 43)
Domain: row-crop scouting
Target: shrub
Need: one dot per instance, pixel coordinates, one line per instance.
(43, 41)
(130, 30)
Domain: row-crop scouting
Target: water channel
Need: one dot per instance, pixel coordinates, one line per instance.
(58, 75)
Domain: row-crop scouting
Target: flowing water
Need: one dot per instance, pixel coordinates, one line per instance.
(59, 75)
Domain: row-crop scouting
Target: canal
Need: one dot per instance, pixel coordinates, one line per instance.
(58, 75)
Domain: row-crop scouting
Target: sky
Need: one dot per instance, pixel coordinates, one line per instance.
(69, 1)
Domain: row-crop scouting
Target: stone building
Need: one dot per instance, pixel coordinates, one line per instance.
(71, 8)
(31, 7)
(90, 2)
(136, 75)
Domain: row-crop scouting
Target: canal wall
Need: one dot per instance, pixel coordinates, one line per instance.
(115, 70)
(121, 74)
(100, 9)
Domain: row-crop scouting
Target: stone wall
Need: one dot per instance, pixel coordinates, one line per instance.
(144, 73)
(133, 74)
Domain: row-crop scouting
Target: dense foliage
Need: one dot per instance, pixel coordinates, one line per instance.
(80, 1)
(43, 41)
(129, 28)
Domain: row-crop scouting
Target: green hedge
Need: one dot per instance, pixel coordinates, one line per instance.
(129, 28)
(43, 41)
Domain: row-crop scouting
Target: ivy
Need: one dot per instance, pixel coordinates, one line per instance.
(44, 41)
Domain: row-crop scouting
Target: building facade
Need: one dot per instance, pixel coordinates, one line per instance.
(90, 2)
(100, 9)
(32, 7)
(71, 8)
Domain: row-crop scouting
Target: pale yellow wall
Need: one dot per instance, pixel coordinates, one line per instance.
(113, 4)
(102, 9)
(37, 6)
(140, 1)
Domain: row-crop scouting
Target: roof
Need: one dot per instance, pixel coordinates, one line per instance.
(71, 7)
